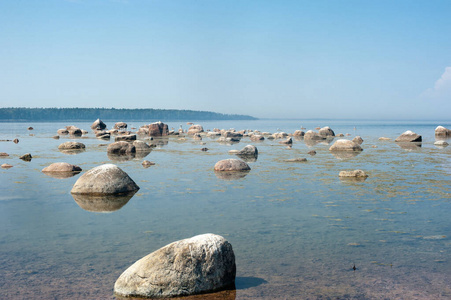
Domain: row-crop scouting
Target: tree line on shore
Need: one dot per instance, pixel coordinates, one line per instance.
(88, 114)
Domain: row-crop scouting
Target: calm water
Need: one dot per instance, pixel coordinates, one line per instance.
(296, 228)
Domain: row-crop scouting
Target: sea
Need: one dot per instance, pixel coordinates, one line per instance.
(298, 230)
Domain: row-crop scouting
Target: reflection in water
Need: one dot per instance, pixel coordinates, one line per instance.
(128, 156)
(159, 142)
(409, 145)
(248, 282)
(345, 154)
(72, 151)
(104, 203)
(352, 179)
(248, 158)
(225, 175)
(229, 294)
(61, 175)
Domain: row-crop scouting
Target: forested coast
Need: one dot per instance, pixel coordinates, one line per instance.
(87, 114)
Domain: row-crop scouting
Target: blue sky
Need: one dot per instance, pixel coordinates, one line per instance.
(269, 59)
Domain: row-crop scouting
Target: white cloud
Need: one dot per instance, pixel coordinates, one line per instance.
(442, 87)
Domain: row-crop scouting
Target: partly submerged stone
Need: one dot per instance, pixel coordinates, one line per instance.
(98, 125)
(408, 136)
(195, 129)
(288, 141)
(441, 143)
(62, 167)
(26, 157)
(6, 166)
(358, 140)
(103, 180)
(312, 135)
(355, 173)
(326, 132)
(299, 159)
(345, 145)
(201, 264)
(120, 148)
(231, 165)
(441, 131)
(72, 146)
(249, 150)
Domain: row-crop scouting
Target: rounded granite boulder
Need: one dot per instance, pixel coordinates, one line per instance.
(105, 179)
(201, 264)
(72, 146)
(345, 145)
(231, 165)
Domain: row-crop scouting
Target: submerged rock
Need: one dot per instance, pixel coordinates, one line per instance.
(296, 160)
(201, 264)
(441, 143)
(408, 136)
(104, 179)
(6, 166)
(147, 163)
(231, 164)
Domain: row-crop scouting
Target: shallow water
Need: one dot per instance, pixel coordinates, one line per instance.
(297, 229)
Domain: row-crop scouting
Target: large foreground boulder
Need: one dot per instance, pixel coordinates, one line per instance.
(201, 264)
(104, 180)
(441, 131)
(345, 145)
(409, 136)
(231, 165)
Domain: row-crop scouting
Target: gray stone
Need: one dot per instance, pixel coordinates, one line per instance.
(71, 146)
(141, 146)
(296, 160)
(120, 125)
(98, 125)
(345, 145)
(312, 135)
(127, 138)
(228, 165)
(288, 141)
(326, 132)
(249, 150)
(104, 180)
(201, 264)
(121, 148)
(299, 133)
(6, 166)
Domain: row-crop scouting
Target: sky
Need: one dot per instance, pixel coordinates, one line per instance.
(268, 59)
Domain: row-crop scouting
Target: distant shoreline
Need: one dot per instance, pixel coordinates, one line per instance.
(22, 114)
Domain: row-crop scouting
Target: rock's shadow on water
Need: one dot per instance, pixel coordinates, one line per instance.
(225, 175)
(72, 152)
(229, 294)
(104, 203)
(243, 283)
(351, 180)
(345, 154)
(409, 146)
(61, 175)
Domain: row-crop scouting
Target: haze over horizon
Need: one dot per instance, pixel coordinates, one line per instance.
(267, 59)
